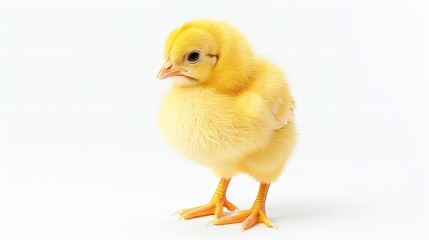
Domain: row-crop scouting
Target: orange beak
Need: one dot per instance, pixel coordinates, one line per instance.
(167, 70)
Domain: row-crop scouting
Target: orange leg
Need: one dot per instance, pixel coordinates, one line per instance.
(256, 214)
(214, 207)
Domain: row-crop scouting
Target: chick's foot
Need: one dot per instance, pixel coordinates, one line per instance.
(250, 217)
(214, 207)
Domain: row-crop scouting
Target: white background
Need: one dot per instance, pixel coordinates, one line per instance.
(81, 156)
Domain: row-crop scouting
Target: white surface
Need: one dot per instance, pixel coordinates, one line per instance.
(81, 156)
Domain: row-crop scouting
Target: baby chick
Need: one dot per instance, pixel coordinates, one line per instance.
(228, 110)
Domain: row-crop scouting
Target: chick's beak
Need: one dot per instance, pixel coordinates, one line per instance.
(167, 70)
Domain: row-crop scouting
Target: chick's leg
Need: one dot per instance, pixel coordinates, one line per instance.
(214, 207)
(256, 214)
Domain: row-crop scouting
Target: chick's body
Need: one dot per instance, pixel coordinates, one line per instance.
(236, 133)
(228, 110)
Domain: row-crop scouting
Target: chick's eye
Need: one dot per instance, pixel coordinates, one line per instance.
(193, 57)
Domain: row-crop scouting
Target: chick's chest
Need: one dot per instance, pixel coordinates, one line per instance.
(196, 121)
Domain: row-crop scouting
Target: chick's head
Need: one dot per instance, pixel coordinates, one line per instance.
(207, 53)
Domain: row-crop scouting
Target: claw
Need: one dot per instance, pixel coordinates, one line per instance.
(274, 226)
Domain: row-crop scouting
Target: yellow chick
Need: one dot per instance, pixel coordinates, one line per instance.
(228, 110)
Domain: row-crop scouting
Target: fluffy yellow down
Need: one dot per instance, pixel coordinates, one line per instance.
(238, 116)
